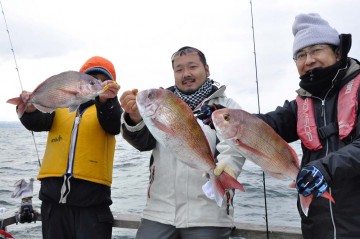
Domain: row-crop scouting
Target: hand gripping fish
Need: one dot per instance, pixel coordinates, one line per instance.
(171, 121)
(258, 142)
(68, 89)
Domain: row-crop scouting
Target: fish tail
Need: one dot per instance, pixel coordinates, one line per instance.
(328, 196)
(219, 188)
(21, 105)
(15, 101)
(221, 183)
(228, 182)
(305, 201)
(6, 234)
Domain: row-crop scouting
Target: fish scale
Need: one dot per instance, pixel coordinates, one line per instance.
(258, 142)
(272, 147)
(68, 89)
(173, 124)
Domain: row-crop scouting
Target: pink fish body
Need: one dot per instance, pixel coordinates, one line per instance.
(172, 122)
(66, 90)
(258, 142)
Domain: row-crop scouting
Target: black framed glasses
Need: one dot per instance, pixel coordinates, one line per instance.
(313, 51)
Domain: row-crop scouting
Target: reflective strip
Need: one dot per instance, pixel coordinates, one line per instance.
(348, 107)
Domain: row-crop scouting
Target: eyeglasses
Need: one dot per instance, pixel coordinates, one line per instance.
(184, 50)
(314, 51)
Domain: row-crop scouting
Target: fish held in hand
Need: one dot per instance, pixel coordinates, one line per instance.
(171, 121)
(68, 89)
(258, 142)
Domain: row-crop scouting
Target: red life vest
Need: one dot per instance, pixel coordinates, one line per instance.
(347, 107)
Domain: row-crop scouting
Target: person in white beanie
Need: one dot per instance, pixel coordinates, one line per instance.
(325, 117)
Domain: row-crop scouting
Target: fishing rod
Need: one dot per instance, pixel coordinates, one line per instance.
(18, 73)
(258, 100)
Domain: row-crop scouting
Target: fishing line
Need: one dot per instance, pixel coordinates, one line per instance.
(18, 73)
(258, 99)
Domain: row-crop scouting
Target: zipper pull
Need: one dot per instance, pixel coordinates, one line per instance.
(77, 119)
(322, 108)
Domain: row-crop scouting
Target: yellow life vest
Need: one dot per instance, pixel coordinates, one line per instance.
(93, 148)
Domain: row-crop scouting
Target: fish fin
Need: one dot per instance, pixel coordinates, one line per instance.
(328, 196)
(305, 203)
(21, 105)
(70, 92)
(43, 108)
(276, 175)
(15, 101)
(164, 128)
(229, 182)
(250, 149)
(219, 198)
(221, 183)
(219, 190)
(6, 234)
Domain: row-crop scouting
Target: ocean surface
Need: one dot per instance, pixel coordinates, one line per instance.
(20, 150)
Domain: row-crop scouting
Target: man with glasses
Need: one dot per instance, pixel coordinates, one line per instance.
(325, 117)
(177, 207)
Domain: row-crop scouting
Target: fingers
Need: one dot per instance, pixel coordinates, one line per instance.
(112, 89)
(128, 103)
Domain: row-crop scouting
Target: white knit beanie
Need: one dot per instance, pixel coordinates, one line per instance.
(310, 29)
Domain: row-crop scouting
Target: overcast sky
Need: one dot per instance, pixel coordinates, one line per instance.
(139, 37)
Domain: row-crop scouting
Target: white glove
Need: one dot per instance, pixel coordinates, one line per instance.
(222, 166)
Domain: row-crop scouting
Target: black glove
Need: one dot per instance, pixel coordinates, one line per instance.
(311, 181)
(204, 113)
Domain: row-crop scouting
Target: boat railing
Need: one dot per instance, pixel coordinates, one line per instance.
(244, 230)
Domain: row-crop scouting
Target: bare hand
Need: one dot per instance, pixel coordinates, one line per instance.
(112, 90)
(128, 103)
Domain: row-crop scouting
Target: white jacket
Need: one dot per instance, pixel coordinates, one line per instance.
(175, 195)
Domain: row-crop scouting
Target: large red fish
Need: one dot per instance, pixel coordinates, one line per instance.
(172, 123)
(258, 142)
(66, 90)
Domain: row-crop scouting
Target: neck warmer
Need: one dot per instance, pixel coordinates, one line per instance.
(198, 96)
(320, 80)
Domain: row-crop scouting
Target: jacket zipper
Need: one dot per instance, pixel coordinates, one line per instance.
(73, 144)
(326, 153)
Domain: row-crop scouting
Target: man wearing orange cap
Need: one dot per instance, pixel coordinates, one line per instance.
(76, 172)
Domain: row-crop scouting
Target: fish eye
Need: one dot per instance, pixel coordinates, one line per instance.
(150, 95)
(226, 117)
(92, 82)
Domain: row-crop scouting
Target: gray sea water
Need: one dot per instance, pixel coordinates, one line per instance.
(19, 150)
